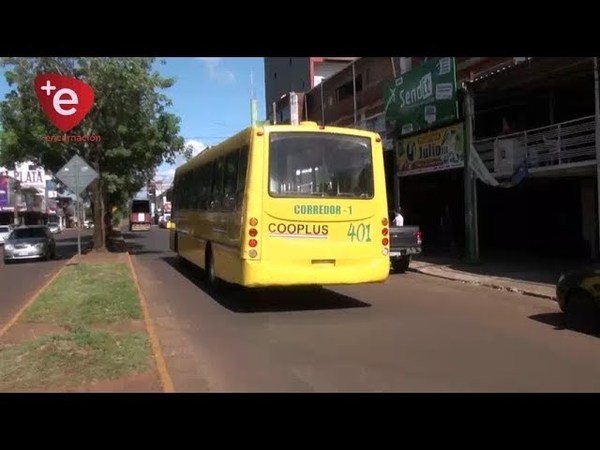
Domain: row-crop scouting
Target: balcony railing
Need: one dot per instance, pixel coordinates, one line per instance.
(552, 145)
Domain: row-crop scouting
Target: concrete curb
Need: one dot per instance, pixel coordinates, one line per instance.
(157, 353)
(490, 284)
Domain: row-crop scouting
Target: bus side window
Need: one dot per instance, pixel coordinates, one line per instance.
(183, 196)
(188, 191)
(195, 188)
(204, 186)
(174, 200)
(230, 182)
(217, 186)
(241, 179)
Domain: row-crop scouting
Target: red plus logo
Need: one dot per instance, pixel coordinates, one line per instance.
(66, 101)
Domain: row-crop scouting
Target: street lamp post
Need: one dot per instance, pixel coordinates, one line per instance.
(17, 197)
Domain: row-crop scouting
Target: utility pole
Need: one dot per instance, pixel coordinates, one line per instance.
(78, 211)
(294, 117)
(396, 170)
(157, 192)
(322, 105)
(253, 111)
(354, 93)
(470, 185)
(17, 196)
(597, 137)
(151, 188)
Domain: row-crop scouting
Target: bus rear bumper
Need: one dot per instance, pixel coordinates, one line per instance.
(140, 227)
(311, 273)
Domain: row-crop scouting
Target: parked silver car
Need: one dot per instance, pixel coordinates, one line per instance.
(29, 242)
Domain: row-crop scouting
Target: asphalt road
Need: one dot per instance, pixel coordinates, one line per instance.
(19, 281)
(413, 333)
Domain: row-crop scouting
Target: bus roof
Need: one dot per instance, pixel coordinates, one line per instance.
(237, 140)
(241, 138)
(314, 126)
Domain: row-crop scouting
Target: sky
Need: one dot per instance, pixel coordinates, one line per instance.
(210, 95)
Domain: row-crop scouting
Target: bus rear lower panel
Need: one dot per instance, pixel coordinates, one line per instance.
(321, 272)
(140, 222)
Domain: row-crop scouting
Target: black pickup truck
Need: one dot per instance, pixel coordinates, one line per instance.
(404, 242)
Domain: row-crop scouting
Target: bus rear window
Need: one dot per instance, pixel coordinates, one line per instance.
(320, 165)
(140, 207)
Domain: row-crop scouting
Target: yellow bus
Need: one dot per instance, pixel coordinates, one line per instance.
(285, 205)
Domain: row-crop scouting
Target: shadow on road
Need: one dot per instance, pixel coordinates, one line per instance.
(140, 249)
(130, 235)
(241, 300)
(66, 251)
(144, 252)
(582, 320)
(84, 238)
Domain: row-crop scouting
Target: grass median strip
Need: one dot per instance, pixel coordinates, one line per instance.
(76, 358)
(83, 299)
(87, 294)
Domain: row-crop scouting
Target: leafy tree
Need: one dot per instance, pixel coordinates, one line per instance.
(129, 114)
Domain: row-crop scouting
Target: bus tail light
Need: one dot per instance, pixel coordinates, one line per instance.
(253, 232)
(419, 237)
(384, 231)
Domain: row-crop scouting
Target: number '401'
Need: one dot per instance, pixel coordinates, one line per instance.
(360, 233)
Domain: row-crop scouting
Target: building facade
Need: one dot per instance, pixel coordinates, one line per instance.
(288, 74)
(31, 191)
(533, 130)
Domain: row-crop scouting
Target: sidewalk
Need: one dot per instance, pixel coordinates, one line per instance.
(535, 278)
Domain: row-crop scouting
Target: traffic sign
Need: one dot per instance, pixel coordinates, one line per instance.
(77, 174)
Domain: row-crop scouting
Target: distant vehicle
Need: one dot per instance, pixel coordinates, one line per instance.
(4, 233)
(29, 242)
(164, 220)
(285, 205)
(54, 227)
(579, 288)
(405, 242)
(88, 224)
(140, 218)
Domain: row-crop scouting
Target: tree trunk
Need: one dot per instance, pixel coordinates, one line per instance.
(97, 192)
(99, 228)
(107, 216)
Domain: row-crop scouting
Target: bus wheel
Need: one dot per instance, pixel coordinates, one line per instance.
(211, 276)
